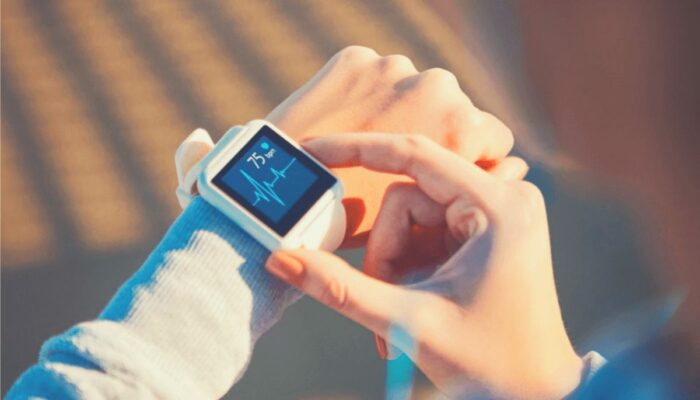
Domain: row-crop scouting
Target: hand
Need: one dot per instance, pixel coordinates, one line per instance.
(487, 320)
(358, 90)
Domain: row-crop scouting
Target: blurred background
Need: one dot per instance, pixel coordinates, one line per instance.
(97, 95)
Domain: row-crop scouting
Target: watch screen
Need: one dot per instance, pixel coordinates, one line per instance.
(273, 180)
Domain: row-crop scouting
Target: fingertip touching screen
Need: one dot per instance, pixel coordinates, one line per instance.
(273, 180)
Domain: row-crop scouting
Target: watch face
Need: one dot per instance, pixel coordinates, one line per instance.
(273, 180)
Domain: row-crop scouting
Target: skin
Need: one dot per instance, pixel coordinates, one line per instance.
(361, 91)
(448, 194)
(625, 68)
(476, 333)
(476, 325)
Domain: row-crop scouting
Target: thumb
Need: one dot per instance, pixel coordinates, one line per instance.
(510, 169)
(332, 281)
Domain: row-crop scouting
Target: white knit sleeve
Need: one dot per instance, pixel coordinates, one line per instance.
(183, 326)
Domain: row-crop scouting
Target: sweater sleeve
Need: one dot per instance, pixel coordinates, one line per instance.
(183, 326)
(592, 362)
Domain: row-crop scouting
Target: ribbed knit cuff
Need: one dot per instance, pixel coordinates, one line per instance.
(213, 245)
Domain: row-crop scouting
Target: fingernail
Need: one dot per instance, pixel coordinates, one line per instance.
(465, 228)
(472, 222)
(381, 347)
(285, 267)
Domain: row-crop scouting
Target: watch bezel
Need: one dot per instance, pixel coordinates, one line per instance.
(232, 145)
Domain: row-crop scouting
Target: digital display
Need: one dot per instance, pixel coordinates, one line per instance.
(273, 180)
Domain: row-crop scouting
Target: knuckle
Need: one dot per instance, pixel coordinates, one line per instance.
(399, 189)
(399, 193)
(355, 54)
(402, 151)
(475, 118)
(396, 63)
(335, 294)
(439, 78)
(479, 134)
(416, 142)
(412, 146)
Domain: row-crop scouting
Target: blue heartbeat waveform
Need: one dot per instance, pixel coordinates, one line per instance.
(265, 191)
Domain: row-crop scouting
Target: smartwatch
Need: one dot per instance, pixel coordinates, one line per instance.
(273, 189)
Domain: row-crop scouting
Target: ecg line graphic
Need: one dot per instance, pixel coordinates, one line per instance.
(265, 190)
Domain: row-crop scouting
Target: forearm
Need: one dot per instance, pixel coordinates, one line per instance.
(183, 326)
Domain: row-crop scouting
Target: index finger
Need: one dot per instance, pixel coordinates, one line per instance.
(438, 172)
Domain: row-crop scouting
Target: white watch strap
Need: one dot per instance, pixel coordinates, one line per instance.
(188, 162)
(328, 230)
